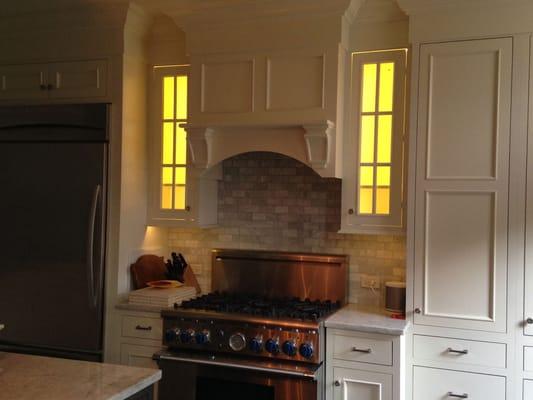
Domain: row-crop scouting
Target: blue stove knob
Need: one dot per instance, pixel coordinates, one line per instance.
(289, 348)
(171, 335)
(202, 337)
(186, 336)
(272, 346)
(256, 344)
(306, 350)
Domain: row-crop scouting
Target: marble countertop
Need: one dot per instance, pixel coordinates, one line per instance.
(25, 377)
(366, 319)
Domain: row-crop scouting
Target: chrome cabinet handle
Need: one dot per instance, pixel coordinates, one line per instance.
(458, 396)
(367, 351)
(143, 328)
(337, 383)
(529, 321)
(450, 350)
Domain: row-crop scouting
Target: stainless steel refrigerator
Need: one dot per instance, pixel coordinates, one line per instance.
(53, 170)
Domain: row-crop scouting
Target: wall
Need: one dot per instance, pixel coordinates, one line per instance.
(270, 201)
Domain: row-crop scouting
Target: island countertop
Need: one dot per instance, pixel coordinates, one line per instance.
(25, 377)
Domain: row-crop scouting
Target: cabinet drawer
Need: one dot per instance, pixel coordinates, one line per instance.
(460, 351)
(440, 384)
(142, 327)
(362, 349)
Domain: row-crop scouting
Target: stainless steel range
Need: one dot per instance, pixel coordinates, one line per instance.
(259, 334)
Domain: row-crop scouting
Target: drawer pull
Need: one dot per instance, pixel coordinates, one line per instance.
(367, 351)
(458, 396)
(529, 321)
(450, 350)
(143, 328)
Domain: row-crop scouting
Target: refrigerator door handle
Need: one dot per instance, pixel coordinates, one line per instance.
(93, 292)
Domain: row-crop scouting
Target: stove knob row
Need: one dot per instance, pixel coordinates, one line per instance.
(237, 342)
(272, 346)
(187, 336)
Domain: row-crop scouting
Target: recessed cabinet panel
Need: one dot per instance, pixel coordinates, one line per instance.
(23, 81)
(295, 82)
(462, 134)
(351, 384)
(528, 389)
(78, 79)
(462, 225)
(227, 86)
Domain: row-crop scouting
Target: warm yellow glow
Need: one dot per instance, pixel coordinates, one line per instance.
(179, 198)
(365, 200)
(174, 143)
(168, 143)
(384, 138)
(386, 86)
(180, 175)
(181, 97)
(367, 138)
(181, 145)
(167, 176)
(368, 98)
(383, 176)
(382, 200)
(166, 197)
(367, 176)
(168, 97)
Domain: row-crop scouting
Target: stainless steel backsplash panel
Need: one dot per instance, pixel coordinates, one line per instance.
(281, 274)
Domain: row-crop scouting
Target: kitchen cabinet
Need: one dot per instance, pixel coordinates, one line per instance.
(363, 366)
(462, 184)
(50, 81)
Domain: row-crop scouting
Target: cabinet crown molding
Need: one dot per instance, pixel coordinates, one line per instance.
(417, 7)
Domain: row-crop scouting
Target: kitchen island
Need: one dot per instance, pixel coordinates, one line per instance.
(25, 377)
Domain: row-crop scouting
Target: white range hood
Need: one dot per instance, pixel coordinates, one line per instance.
(268, 78)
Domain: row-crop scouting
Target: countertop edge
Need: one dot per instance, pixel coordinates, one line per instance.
(136, 388)
(366, 328)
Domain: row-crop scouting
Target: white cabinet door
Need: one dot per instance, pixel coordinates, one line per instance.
(462, 155)
(23, 81)
(77, 79)
(352, 384)
(528, 390)
(137, 355)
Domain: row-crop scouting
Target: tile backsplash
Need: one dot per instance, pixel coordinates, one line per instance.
(273, 202)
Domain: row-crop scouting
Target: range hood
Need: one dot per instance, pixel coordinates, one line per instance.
(268, 78)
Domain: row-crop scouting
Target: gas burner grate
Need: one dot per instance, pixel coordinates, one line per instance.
(294, 308)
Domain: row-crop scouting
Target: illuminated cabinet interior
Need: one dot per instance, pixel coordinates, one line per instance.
(174, 143)
(373, 187)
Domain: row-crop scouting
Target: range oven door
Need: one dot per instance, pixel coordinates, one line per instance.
(191, 376)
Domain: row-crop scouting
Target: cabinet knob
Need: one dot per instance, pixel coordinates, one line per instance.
(337, 383)
(188, 208)
(529, 321)
(350, 211)
(42, 86)
(49, 86)
(418, 310)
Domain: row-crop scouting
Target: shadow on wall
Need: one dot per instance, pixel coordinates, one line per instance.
(270, 201)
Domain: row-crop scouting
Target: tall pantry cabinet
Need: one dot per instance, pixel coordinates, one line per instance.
(470, 245)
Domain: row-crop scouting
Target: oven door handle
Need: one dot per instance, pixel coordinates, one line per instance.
(241, 365)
